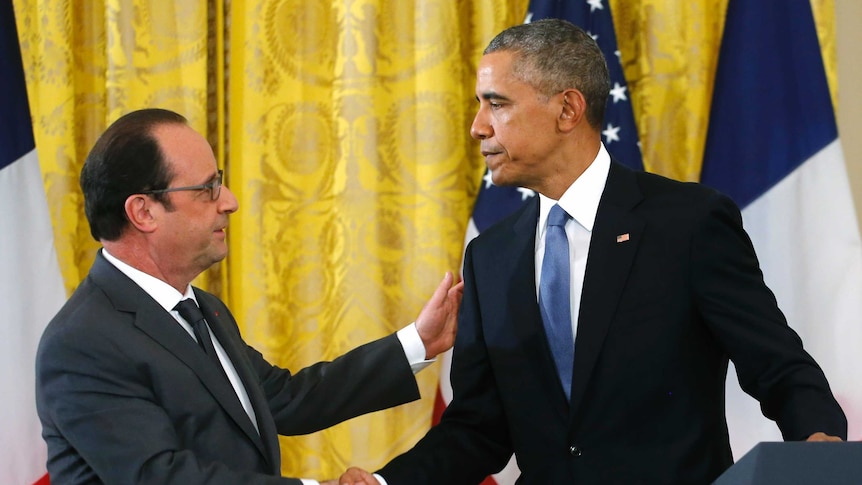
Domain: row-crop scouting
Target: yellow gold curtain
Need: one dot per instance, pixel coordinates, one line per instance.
(86, 64)
(343, 127)
(351, 159)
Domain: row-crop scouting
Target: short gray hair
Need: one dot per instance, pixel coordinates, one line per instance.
(553, 55)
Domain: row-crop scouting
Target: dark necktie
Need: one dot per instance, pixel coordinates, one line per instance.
(554, 296)
(189, 310)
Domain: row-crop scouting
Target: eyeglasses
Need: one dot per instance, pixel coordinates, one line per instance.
(213, 186)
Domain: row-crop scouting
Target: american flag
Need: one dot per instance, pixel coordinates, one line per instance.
(619, 135)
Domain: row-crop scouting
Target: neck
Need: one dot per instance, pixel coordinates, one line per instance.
(570, 163)
(138, 256)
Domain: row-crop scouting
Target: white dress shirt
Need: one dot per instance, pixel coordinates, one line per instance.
(581, 202)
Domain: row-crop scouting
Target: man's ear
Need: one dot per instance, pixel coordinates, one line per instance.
(139, 211)
(574, 110)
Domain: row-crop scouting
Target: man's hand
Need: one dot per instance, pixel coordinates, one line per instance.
(437, 323)
(357, 476)
(821, 436)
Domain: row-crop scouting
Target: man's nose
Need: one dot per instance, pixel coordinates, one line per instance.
(227, 201)
(480, 129)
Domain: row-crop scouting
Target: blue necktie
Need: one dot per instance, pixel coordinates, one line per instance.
(554, 296)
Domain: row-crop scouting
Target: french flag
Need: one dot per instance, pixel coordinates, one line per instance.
(773, 146)
(31, 286)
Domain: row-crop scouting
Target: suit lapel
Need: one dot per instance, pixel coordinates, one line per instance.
(159, 325)
(162, 328)
(613, 245)
(219, 323)
(520, 310)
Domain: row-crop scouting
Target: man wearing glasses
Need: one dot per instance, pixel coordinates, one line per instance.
(141, 378)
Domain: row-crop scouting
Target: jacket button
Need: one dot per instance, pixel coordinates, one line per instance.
(575, 451)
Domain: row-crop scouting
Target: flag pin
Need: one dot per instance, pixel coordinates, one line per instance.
(623, 237)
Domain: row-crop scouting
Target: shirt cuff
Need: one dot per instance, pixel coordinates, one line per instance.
(413, 347)
(308, 481)
(380, 479)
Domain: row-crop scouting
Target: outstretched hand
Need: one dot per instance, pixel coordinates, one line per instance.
(437, 323)
(356, 476)
(821, 436)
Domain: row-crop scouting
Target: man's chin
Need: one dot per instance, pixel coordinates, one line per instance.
(500, 180)
(218, 254)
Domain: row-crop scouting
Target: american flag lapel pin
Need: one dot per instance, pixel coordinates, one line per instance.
(623, 237)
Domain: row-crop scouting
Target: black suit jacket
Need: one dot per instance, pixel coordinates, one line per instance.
(126, 396)
(661, 313)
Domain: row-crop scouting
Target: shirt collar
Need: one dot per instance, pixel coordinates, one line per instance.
(165, 295)
(581, 199)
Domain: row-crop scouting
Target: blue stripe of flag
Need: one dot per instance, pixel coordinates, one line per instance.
(16, 132)
(771, 106)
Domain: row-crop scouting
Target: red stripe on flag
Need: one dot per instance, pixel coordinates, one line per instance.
(45, 480)
(439, 407)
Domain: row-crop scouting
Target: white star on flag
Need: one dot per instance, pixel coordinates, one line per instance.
(611, 133)
(487, 179)
(595, 4)
(619, 93)
(526, 193)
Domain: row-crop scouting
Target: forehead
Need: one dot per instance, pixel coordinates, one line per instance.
(496, 74)
(184, 148)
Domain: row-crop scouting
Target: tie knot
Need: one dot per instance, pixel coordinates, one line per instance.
(189, 310)
(557, 216)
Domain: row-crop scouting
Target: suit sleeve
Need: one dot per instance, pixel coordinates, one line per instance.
(471, 441)
(369, 378)
(742, 313)
(100, 407)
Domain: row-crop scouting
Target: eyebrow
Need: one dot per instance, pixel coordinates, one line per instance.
(493, 95)
(211, 178)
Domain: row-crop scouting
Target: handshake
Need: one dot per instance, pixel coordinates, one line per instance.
(355, 476)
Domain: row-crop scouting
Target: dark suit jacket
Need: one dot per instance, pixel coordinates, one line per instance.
(126, 396)
(660, 315)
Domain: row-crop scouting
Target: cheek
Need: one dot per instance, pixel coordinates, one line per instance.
(517, 129)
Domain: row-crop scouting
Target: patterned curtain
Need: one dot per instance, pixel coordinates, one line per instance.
(355, 173)
(89, 62)
(343, 129)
